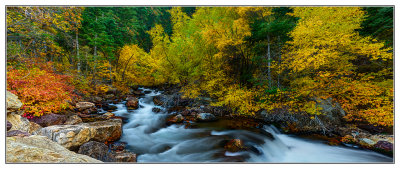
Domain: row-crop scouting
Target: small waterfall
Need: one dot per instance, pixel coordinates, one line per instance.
(147, 135)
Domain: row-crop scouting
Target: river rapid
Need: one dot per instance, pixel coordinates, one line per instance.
(147, 135)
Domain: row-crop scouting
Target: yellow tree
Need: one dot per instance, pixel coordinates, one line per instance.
(321, 56)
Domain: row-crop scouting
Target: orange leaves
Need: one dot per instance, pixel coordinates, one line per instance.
(41, 90)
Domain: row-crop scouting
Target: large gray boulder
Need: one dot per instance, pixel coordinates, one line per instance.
(73, 136)
(40, 149)
(84, 105)
(12, 102)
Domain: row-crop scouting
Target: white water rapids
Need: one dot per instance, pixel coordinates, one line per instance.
(147, 135)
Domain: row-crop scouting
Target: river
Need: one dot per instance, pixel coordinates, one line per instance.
(147, 135)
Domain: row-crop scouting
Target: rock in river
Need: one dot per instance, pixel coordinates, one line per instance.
(40, 149)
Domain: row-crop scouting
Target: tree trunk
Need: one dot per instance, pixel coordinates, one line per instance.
(279, 61)
(269, 64)
(77, 53)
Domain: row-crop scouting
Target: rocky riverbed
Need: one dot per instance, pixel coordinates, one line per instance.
(111, 128)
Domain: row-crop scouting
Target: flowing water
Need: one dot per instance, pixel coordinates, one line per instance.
(147, 135)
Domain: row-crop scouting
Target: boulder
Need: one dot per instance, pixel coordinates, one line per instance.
(49, 119)
(138, 93)
(366, 142)
(9, 125)
(97, 99)
(40, 149)
(384, 146)
(73, 136)
(108, 115)
(132, 103)
(108, 107)
(12, 102)
(109, 96)
(21, 123)
(206, 117)
(175, 119)
(17, 133)
(332, 110)
(159, 100)
(124, 157)
(84, 105)
(96, 150)
(75, 119)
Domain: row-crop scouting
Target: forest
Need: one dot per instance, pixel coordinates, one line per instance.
(244, 58)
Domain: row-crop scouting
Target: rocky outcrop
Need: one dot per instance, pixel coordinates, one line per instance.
(21, 123)
(73, 136)
(12, 102)
(40, 149)
(49, 119)
(175, 119)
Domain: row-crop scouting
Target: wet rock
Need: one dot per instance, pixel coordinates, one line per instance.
(366, 142)
(18, 133)
(235, 145)
(49, 119)
(73, 136)
(13, 104)
(138, 93)
(84, 105)
(108, 107)
(21, 123)
(118, 146)
(206, 117)
(108, 115)
(156, 110)
(159, 100)
(75, 119)
(132, 103)
(40, 149)
(175, 119)
(384, 146)
(147, 92)
(96, 150)
(9, 125)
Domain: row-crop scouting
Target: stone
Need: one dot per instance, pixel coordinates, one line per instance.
(159, 100)
(75, 119)
(21, 123)
(175, 119)
(13, 104)
(132, 103)
(206, 117)
(40, 149)
(235, 145)
(49, 119)
(138, 93)
(109, 107)
(384, 146)
(84, 105)
(9, 125)
(156, 110)
(97, 99)
(73, 136)
(118, 146)
(124, 157)
(17, 133)
(109, 96)
(108, 115)
(366, 142)
(96, 150)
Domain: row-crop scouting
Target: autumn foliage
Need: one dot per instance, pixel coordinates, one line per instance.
(40, 89)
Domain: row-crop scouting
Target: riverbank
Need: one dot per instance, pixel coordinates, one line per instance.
(95, 127)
